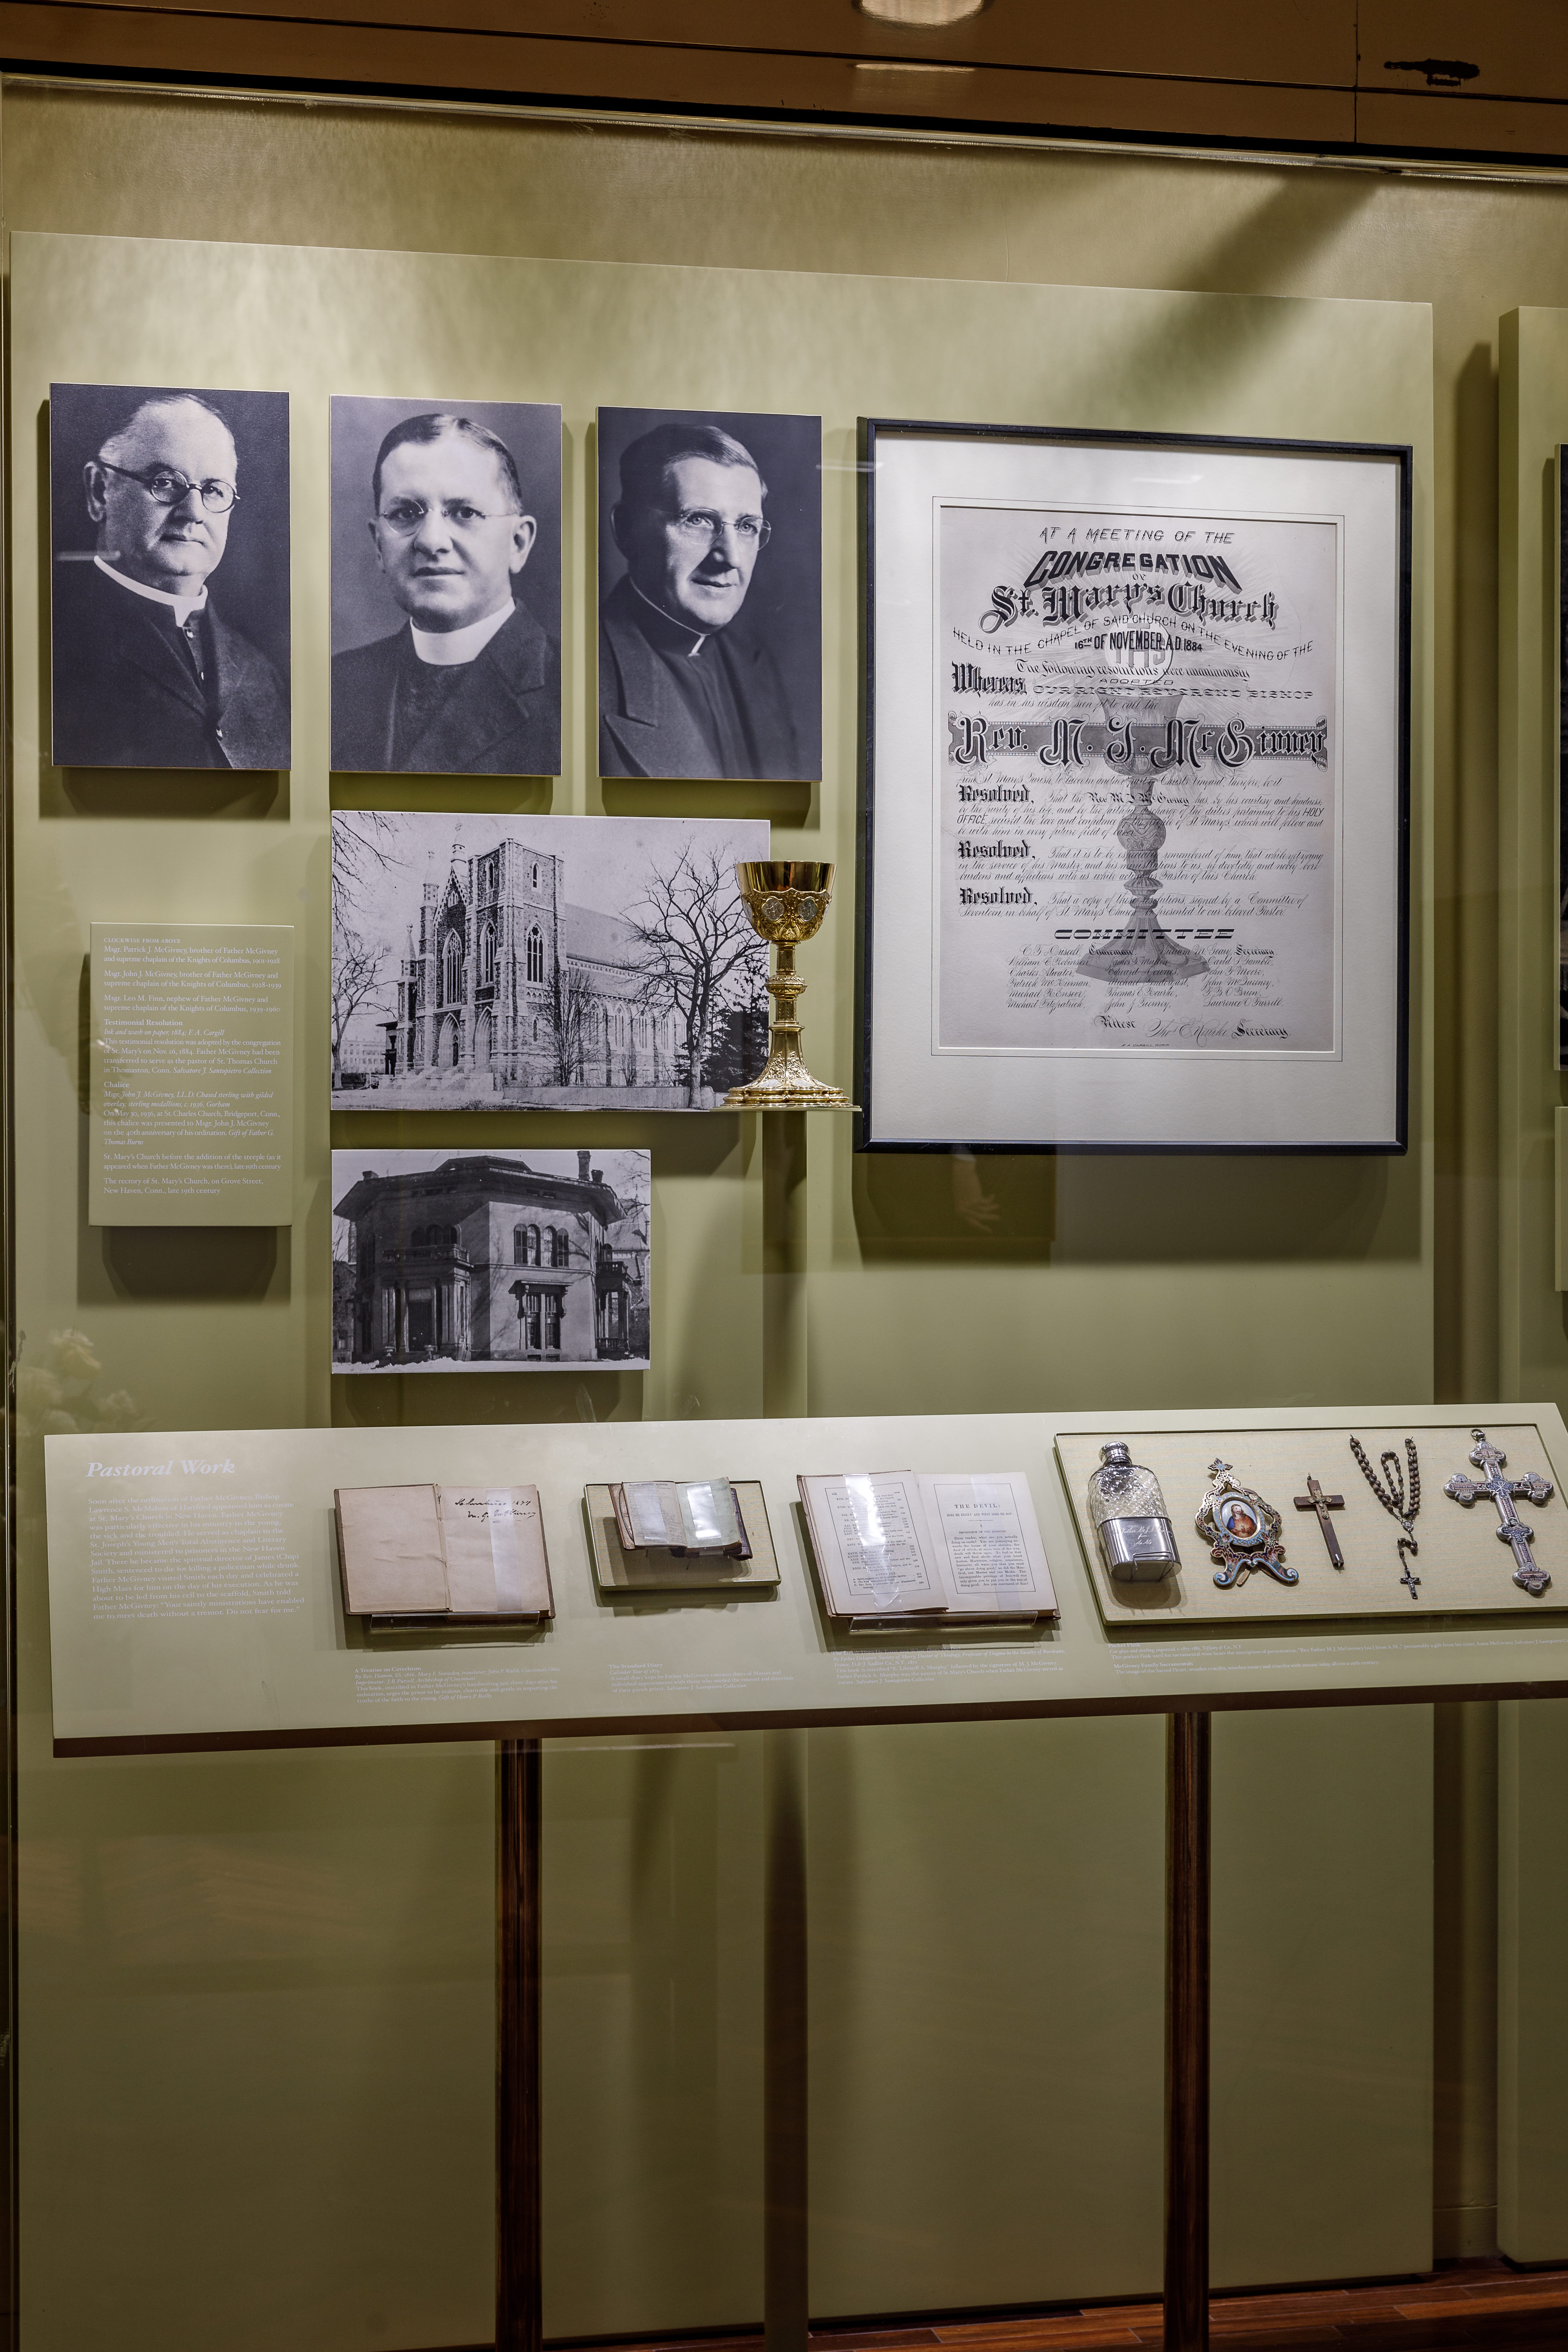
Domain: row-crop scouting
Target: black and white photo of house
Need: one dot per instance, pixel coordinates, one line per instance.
(489, 1261)
(580, 963)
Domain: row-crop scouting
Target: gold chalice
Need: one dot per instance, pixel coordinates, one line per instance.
(786, 902)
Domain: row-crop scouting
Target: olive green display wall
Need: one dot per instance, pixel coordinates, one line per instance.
(254, 2034)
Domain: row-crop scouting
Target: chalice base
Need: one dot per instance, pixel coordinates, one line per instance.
(1145, 953)
(783, 1083)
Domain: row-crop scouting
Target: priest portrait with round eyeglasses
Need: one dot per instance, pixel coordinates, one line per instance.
(711, 586)
(446, 587)
(170, 544)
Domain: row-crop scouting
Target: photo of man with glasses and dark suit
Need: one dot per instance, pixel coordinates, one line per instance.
(446, 521)
(156, 664)
(710, 578)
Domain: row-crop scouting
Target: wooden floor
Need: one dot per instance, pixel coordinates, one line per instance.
(1473, 2305)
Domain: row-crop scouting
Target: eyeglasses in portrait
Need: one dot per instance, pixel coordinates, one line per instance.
(446, 587)
(710, 594)
(169, 538)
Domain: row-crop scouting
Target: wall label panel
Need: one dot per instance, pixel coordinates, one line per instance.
(192, 1088)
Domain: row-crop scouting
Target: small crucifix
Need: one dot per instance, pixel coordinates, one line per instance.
(1488, 1459)
(1314, 1499)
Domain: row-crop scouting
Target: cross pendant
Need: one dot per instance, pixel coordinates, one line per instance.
(1314, 1499)
(1511, 1531)
(1408, 1578)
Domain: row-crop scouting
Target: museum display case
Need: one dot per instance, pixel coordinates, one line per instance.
(670, 1679)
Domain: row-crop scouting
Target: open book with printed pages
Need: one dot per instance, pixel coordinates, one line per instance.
(443, 1554)
(894, 1548)
(666, 1535)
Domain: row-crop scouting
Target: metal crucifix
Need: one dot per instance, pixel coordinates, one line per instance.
(1488, 1459)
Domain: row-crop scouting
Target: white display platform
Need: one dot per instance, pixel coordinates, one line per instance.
(199, 1606)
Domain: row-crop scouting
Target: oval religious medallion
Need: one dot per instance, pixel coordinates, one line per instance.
(1241, 1530)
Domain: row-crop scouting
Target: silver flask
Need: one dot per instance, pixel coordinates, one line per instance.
(1136, 1540)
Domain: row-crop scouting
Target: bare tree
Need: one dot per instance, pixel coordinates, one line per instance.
(356, 972)
(576, 999)
(364, 847)
(695, 949)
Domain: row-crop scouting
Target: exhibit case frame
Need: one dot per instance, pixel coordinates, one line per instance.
(756, 1954)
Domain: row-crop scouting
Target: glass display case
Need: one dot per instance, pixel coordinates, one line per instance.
(458, 558)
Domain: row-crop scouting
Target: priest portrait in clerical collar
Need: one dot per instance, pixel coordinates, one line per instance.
(169, 538)
(446, 587)
(710, 594)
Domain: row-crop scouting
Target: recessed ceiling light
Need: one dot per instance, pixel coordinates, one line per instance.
(909, 65)
(920, 16)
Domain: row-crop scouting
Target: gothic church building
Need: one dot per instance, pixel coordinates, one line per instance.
(507, 977)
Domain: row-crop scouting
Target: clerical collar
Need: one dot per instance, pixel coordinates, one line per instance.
(673, 635)
(450, 648)
(181, 607)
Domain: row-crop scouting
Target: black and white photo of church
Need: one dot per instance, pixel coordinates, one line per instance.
(577, 963)
(489, 1261)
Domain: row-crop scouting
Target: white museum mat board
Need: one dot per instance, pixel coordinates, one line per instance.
(1347, 1088)
(215, 1619)
(1460, 1563)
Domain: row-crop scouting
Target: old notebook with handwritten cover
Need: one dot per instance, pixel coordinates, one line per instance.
(455, 1552)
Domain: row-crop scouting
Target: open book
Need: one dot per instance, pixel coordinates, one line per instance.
(669, 1515)
(442, 1552)
(893, 1548)
(666, 1536)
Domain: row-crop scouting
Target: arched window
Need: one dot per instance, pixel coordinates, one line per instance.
(451, 969)
(530, 1245)
(560, 1248)
(535, 953)
(420, 1236)
(534, 877)
(488, 955)
(519, 1246)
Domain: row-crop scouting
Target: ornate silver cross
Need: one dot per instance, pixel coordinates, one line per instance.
(1488, 1459)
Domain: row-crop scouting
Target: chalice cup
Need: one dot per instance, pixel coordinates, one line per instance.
(787, 900)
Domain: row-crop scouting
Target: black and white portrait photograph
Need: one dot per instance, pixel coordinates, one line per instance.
(543, 963)
(489, 1261)
(446, 587)
(169, 545)
(710, 594)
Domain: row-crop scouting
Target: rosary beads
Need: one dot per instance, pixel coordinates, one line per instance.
(1402, 1502)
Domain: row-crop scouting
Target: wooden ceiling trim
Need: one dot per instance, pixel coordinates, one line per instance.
(1109, 76)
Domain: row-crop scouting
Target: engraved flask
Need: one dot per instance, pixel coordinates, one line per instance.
(1136, 1539)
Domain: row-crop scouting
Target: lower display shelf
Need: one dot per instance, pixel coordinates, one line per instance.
(196, 1600)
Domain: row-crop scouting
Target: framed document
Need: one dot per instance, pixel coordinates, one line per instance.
(1136, 812)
